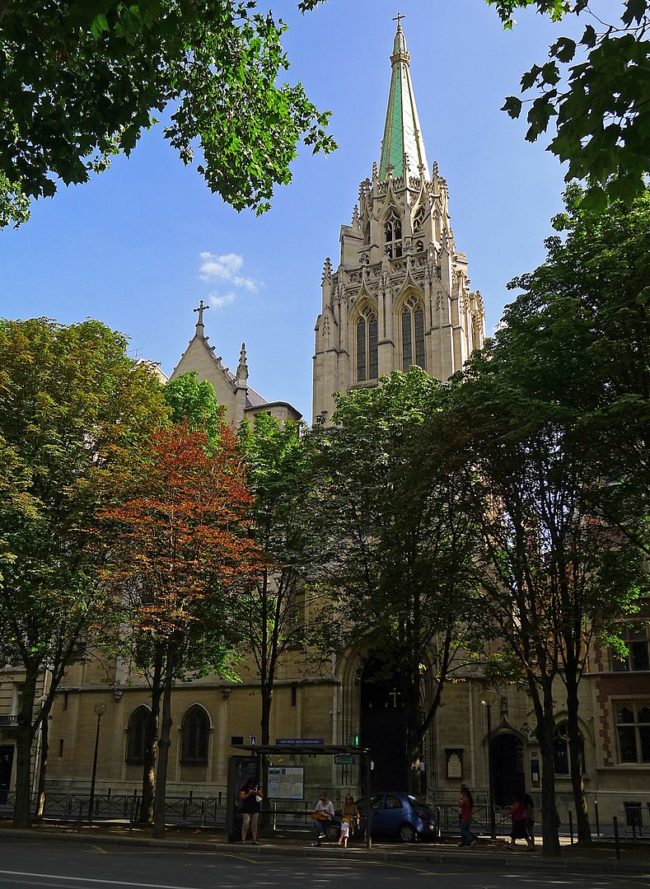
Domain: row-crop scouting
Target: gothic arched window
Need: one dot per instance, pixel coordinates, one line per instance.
(412, 334)
(195, 733)
(136, 735)
(561, 753)
(418, 219)
(393, 235)
(367, 366)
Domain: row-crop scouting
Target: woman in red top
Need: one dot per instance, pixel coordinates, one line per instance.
(465, 807)
(518, 816)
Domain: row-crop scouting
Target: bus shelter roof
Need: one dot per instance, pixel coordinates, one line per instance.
(303, 749)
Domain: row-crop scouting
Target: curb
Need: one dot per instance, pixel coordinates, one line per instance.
(496, 860)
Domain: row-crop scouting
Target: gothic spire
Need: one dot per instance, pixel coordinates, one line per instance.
(402, 134)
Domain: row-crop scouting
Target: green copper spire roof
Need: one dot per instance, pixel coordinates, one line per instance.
(402, 136)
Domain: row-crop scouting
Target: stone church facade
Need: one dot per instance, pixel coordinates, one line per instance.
(400, 295)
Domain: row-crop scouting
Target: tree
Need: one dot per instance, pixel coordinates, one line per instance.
(192, 403)
(74, 409)
(395, 545)
(578, 336)
(558, 406)
(601, 106)
(182, 552)
(278, 463)
(81, 79)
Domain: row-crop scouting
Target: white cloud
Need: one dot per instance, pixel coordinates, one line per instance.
(225, 267)
(219, 300)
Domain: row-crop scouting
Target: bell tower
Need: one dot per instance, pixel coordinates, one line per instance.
(400, 294)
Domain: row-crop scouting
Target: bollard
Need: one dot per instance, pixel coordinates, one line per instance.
(617, 845)
(571, 825)
(597, 821)
(438, 828)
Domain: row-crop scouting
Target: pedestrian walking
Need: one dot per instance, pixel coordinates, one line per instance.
(529, 819)
(465, 810)
(518, 817)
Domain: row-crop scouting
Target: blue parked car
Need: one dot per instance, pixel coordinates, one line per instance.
(400, 815)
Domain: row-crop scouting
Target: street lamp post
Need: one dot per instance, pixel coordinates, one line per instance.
(493, 829)
(99, 709)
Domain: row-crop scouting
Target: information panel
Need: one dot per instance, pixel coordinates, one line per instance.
(286, 782)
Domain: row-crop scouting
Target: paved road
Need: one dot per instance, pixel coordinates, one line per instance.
(52, 865)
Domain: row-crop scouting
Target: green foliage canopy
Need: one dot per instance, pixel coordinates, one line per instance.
(81, 79)
(598, 91)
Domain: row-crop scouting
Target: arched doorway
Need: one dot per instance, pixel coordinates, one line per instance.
(507, 757)
(383, 724)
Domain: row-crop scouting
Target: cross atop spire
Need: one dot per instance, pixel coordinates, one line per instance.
(201, 308)
(402, 136)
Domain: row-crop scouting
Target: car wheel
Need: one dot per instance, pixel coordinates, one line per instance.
(406, 833)
(332, 831)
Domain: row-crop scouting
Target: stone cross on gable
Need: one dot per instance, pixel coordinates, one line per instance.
(200, 309)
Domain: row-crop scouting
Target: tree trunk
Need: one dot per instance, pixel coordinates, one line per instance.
(265, 721)
(575, 758)
(24, 738)
(164, 742)
(545, 732)
(42, 770)
(150, 748)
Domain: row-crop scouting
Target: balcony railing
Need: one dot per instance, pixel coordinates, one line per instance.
(8, 720)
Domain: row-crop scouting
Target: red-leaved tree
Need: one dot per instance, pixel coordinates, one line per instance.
(182, 553)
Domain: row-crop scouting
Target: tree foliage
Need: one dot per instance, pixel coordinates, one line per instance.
(278, 463)
(81, 79)
(578, 336)
(557, 416)
(193, 402)
(395, 540)
(181, 554)
(74, 409)
(598, 90)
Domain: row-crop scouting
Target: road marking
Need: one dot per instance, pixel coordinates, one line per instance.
(99, 849)
(21, 873)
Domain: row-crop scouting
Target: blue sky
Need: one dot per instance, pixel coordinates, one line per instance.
(139, 245)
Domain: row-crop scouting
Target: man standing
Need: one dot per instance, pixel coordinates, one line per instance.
(322, 815)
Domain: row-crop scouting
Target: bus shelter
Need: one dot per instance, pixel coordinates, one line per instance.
(251, 762)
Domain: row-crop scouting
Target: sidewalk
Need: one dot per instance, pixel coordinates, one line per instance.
(599, 859)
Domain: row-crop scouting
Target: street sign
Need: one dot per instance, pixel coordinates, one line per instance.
(343, 759)
(301, 742)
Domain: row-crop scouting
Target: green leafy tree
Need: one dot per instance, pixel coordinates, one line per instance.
(193, 402)
(598, 90)
(278, 461)
(395, 543)
(580, 332)
(558, 408)
(81, 79)
(74, 409)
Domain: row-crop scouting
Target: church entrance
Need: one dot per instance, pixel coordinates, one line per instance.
(507, 753)
(383, 725)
